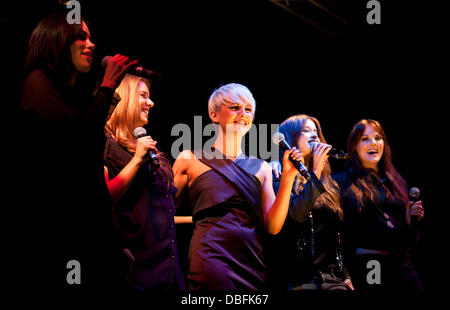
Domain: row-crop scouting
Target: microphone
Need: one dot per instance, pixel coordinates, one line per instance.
(278, 138)
(414, 194)
(338, 154)
(335, 153)
(138, 71)
(140, 132)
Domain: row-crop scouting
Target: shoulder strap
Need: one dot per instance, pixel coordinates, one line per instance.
(247, 185)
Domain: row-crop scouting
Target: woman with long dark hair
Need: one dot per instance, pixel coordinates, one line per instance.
(68, 230)
(309, 244)
(377, 213)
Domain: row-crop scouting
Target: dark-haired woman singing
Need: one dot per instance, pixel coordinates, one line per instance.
(68, 232)
(377, 213)
(310, 243)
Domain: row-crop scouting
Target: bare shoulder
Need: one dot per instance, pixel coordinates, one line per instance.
(183, 159)
(265, 167)
(265, 172)
(188, 166)
(186, 154)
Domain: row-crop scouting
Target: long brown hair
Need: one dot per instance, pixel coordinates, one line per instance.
(123, 120)
(292, 129)
(362, 187)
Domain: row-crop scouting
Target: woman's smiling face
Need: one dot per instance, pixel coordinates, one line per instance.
(82, 50)
(370, 148)
(237, 117)
(144, 103)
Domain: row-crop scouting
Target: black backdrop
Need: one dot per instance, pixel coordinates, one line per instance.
(290, 67)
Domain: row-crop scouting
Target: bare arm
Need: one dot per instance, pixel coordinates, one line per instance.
(276, 207)
(183, 219)
(118, 185)
(180, 176)
(180, 181)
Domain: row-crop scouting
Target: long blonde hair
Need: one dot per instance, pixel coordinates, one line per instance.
(126, 114)
(292, 129)
(124, 119)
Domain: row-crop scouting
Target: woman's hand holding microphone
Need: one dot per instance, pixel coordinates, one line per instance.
(143, 146)
(319, 153)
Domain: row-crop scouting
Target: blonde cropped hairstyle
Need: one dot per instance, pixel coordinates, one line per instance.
(228, 94)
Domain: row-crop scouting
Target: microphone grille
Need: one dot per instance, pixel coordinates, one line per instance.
(414, 192)
(139, 132)
(277, 138)
(105, 61)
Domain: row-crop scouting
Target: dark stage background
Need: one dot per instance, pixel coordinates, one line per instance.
(366, 71)
(291, 67)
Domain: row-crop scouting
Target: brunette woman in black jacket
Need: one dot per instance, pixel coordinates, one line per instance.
(377, 213)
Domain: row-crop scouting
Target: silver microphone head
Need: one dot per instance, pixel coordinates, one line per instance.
(105, 61)
(277, 138)
(139, 132)
(414, 193)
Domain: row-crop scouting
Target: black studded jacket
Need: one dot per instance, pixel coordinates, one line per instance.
(311, 235)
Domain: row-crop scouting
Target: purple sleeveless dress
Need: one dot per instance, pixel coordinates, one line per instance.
(225, 251)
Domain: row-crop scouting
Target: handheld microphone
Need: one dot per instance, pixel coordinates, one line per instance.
(334, 153)
(338, 154)
(138, 71)
(140, 132)
(414, 194)
(278, 138)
